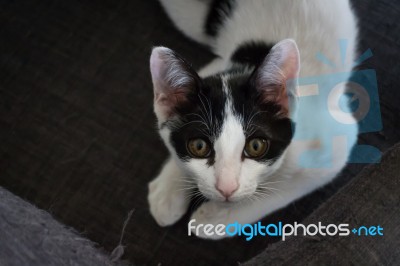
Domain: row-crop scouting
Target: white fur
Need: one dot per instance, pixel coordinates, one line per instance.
(167, 196)
(316, 26)
(188, 16)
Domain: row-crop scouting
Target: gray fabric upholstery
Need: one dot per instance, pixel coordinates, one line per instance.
(372, 198)
(30, 236)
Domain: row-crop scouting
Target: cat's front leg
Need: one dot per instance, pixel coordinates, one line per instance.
(211, 212)
(167, 197)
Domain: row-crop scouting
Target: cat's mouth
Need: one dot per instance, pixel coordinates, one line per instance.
(223, 200)
(208, 194)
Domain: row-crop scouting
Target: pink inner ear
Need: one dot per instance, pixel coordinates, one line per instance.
(277, 94)
(276, 74)
(171, 99)
(172, 79)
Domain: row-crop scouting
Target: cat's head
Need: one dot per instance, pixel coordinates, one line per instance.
(229, 131)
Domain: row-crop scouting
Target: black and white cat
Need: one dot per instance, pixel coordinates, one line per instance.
(231, 127)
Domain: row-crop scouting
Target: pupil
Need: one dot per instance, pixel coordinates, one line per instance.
(199, 146)
(255, 146)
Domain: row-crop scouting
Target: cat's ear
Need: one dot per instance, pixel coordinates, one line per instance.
(276, 77)
(173, 80)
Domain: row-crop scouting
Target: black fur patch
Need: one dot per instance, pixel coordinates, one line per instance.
(219, 10)
(260, 118)
(251, 53)
(202, 116)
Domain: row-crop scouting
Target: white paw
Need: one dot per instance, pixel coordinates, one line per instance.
(211, 213)
(167, 203)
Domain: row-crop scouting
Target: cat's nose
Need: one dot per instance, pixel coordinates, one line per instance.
(227, 188)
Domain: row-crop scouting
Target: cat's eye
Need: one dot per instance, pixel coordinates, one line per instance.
(198, 148)
(256, 147)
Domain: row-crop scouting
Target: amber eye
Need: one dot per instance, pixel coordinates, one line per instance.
(198, 148)
(256, 147)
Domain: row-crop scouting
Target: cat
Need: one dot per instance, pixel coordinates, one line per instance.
(231, 127)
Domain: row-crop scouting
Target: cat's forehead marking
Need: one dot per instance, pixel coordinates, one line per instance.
(229, 144)
(225, 87)
(227, 94)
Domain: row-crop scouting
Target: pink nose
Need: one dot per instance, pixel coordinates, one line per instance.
(227, 188)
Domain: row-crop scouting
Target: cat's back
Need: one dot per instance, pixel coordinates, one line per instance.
(316, 26)
(226, 25)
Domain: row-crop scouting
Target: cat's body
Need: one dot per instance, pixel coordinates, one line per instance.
(213, 123)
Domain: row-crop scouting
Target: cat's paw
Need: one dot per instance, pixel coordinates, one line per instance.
(167, 203)
(211, 213)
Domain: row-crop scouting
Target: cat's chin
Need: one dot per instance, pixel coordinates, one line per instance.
(229, 201)
(224, 202)
(221, 200)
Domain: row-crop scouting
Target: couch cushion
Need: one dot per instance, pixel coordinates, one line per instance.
(372, 198)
